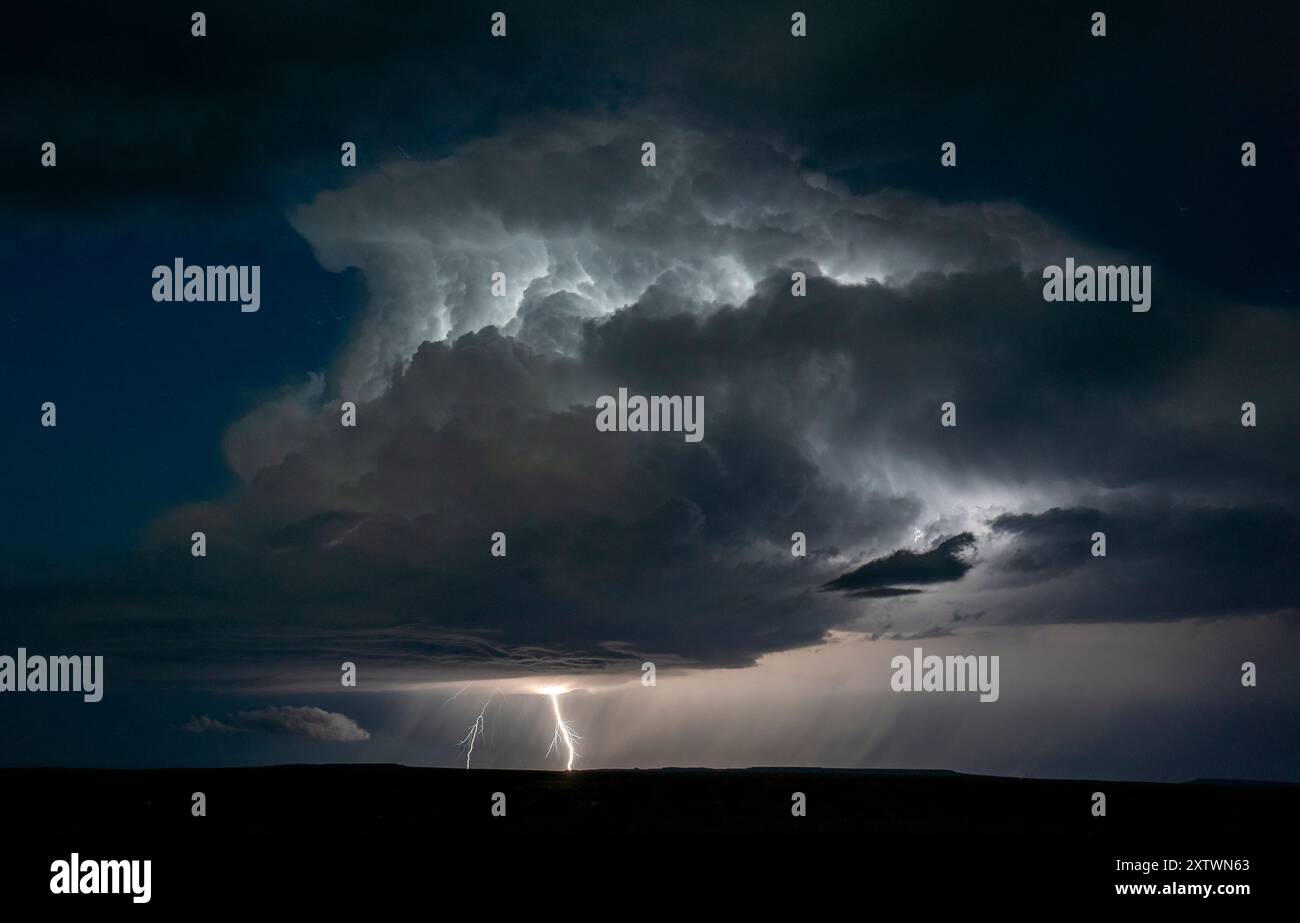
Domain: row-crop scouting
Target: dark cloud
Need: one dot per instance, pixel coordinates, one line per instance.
(257, 110)
(1163, 561)
(947, 561)
(1049, 541)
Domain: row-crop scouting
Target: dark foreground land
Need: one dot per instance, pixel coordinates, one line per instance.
(297, 833)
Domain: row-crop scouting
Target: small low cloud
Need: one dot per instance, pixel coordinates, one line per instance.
(290, 720)
(202, 724)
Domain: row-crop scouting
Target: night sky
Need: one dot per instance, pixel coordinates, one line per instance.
(476, 413)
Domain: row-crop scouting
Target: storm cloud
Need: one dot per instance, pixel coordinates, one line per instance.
(475, 415)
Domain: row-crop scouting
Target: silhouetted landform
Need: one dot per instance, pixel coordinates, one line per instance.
(672, 800)
(357, 821)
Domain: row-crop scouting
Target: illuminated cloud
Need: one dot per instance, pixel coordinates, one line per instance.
(293, 721)
(581, 229)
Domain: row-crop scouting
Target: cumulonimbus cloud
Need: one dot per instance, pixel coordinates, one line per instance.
(476, 415)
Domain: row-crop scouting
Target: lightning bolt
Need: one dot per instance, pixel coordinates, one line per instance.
(564, 733)
(478, 727)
